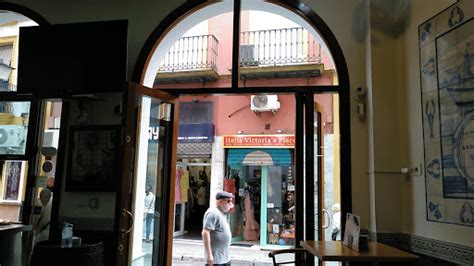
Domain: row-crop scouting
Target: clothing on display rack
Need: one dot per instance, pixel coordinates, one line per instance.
(184, 185)
(229, 186)
(251, 228)
(177, 188)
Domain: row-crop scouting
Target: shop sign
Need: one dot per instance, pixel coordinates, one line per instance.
(187, 133)
(196, 133)
(245, 141)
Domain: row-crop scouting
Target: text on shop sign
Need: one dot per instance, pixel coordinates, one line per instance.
(259, 141)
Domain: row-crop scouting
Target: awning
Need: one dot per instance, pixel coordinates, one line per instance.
(259, 157)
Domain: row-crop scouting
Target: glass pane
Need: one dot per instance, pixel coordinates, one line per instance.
(12, 189)
(265, 204)
(47, 172)
(327, 123)
(280, 205)
(14, 118)
(149, 189)
(279, 48)
(197, 52)
(9, 29)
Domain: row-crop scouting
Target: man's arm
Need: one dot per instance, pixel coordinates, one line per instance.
(206, 237)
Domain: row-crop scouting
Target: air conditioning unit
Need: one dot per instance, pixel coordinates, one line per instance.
(247, 55)
(264, 103)
(10, 136)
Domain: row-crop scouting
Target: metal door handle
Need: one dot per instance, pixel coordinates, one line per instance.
(327, 214)
(326, 225)
(125, 212)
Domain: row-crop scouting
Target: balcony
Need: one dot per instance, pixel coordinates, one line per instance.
(190, 59)
(279, 53)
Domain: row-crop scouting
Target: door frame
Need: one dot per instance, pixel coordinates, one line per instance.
(124, 218)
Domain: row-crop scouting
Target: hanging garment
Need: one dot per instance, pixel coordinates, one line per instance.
(229, 186)
(252, 228)
(184, 185)
(177, 188)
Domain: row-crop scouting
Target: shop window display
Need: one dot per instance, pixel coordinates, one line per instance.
(280, 206)
(265, 199)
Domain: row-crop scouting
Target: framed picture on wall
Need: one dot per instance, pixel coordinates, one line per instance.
(13, 181)
(93, 158)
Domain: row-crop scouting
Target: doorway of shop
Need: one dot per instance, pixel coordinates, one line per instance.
(193, 176)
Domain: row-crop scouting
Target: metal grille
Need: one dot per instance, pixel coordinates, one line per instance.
(194, 149)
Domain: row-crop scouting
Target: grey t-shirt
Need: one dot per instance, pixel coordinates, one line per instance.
(215, 221)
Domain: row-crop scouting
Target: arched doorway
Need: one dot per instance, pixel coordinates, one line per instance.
(178, 22)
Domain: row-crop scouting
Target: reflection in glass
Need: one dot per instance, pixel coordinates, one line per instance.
(14, 118)
(327, 136)
(12, 189)
(47, 172)
(9, 28)
(154, 119)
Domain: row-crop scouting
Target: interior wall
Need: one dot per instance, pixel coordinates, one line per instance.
(385, 173)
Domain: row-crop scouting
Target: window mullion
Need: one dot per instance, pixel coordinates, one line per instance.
(236, 45)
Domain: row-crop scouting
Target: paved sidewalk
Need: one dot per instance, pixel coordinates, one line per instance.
(191, 252)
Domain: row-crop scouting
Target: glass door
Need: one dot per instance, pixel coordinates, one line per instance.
(145, 225)
(318, 194)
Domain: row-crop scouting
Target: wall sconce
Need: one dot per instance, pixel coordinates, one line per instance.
(240, 132)
(361, 96)
(279, 131)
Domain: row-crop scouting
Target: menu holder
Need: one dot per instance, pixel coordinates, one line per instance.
(351, 234)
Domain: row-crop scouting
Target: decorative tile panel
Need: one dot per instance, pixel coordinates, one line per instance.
(447, 93)
(458, 254)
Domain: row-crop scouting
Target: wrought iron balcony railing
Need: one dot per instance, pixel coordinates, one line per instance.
(191, 53)
(278, 47)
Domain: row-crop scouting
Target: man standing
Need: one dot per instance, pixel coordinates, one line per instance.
(149, 211)
(216, 231)
(201, 199)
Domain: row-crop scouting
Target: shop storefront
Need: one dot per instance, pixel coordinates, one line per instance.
(260, 173)
(193, 175)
